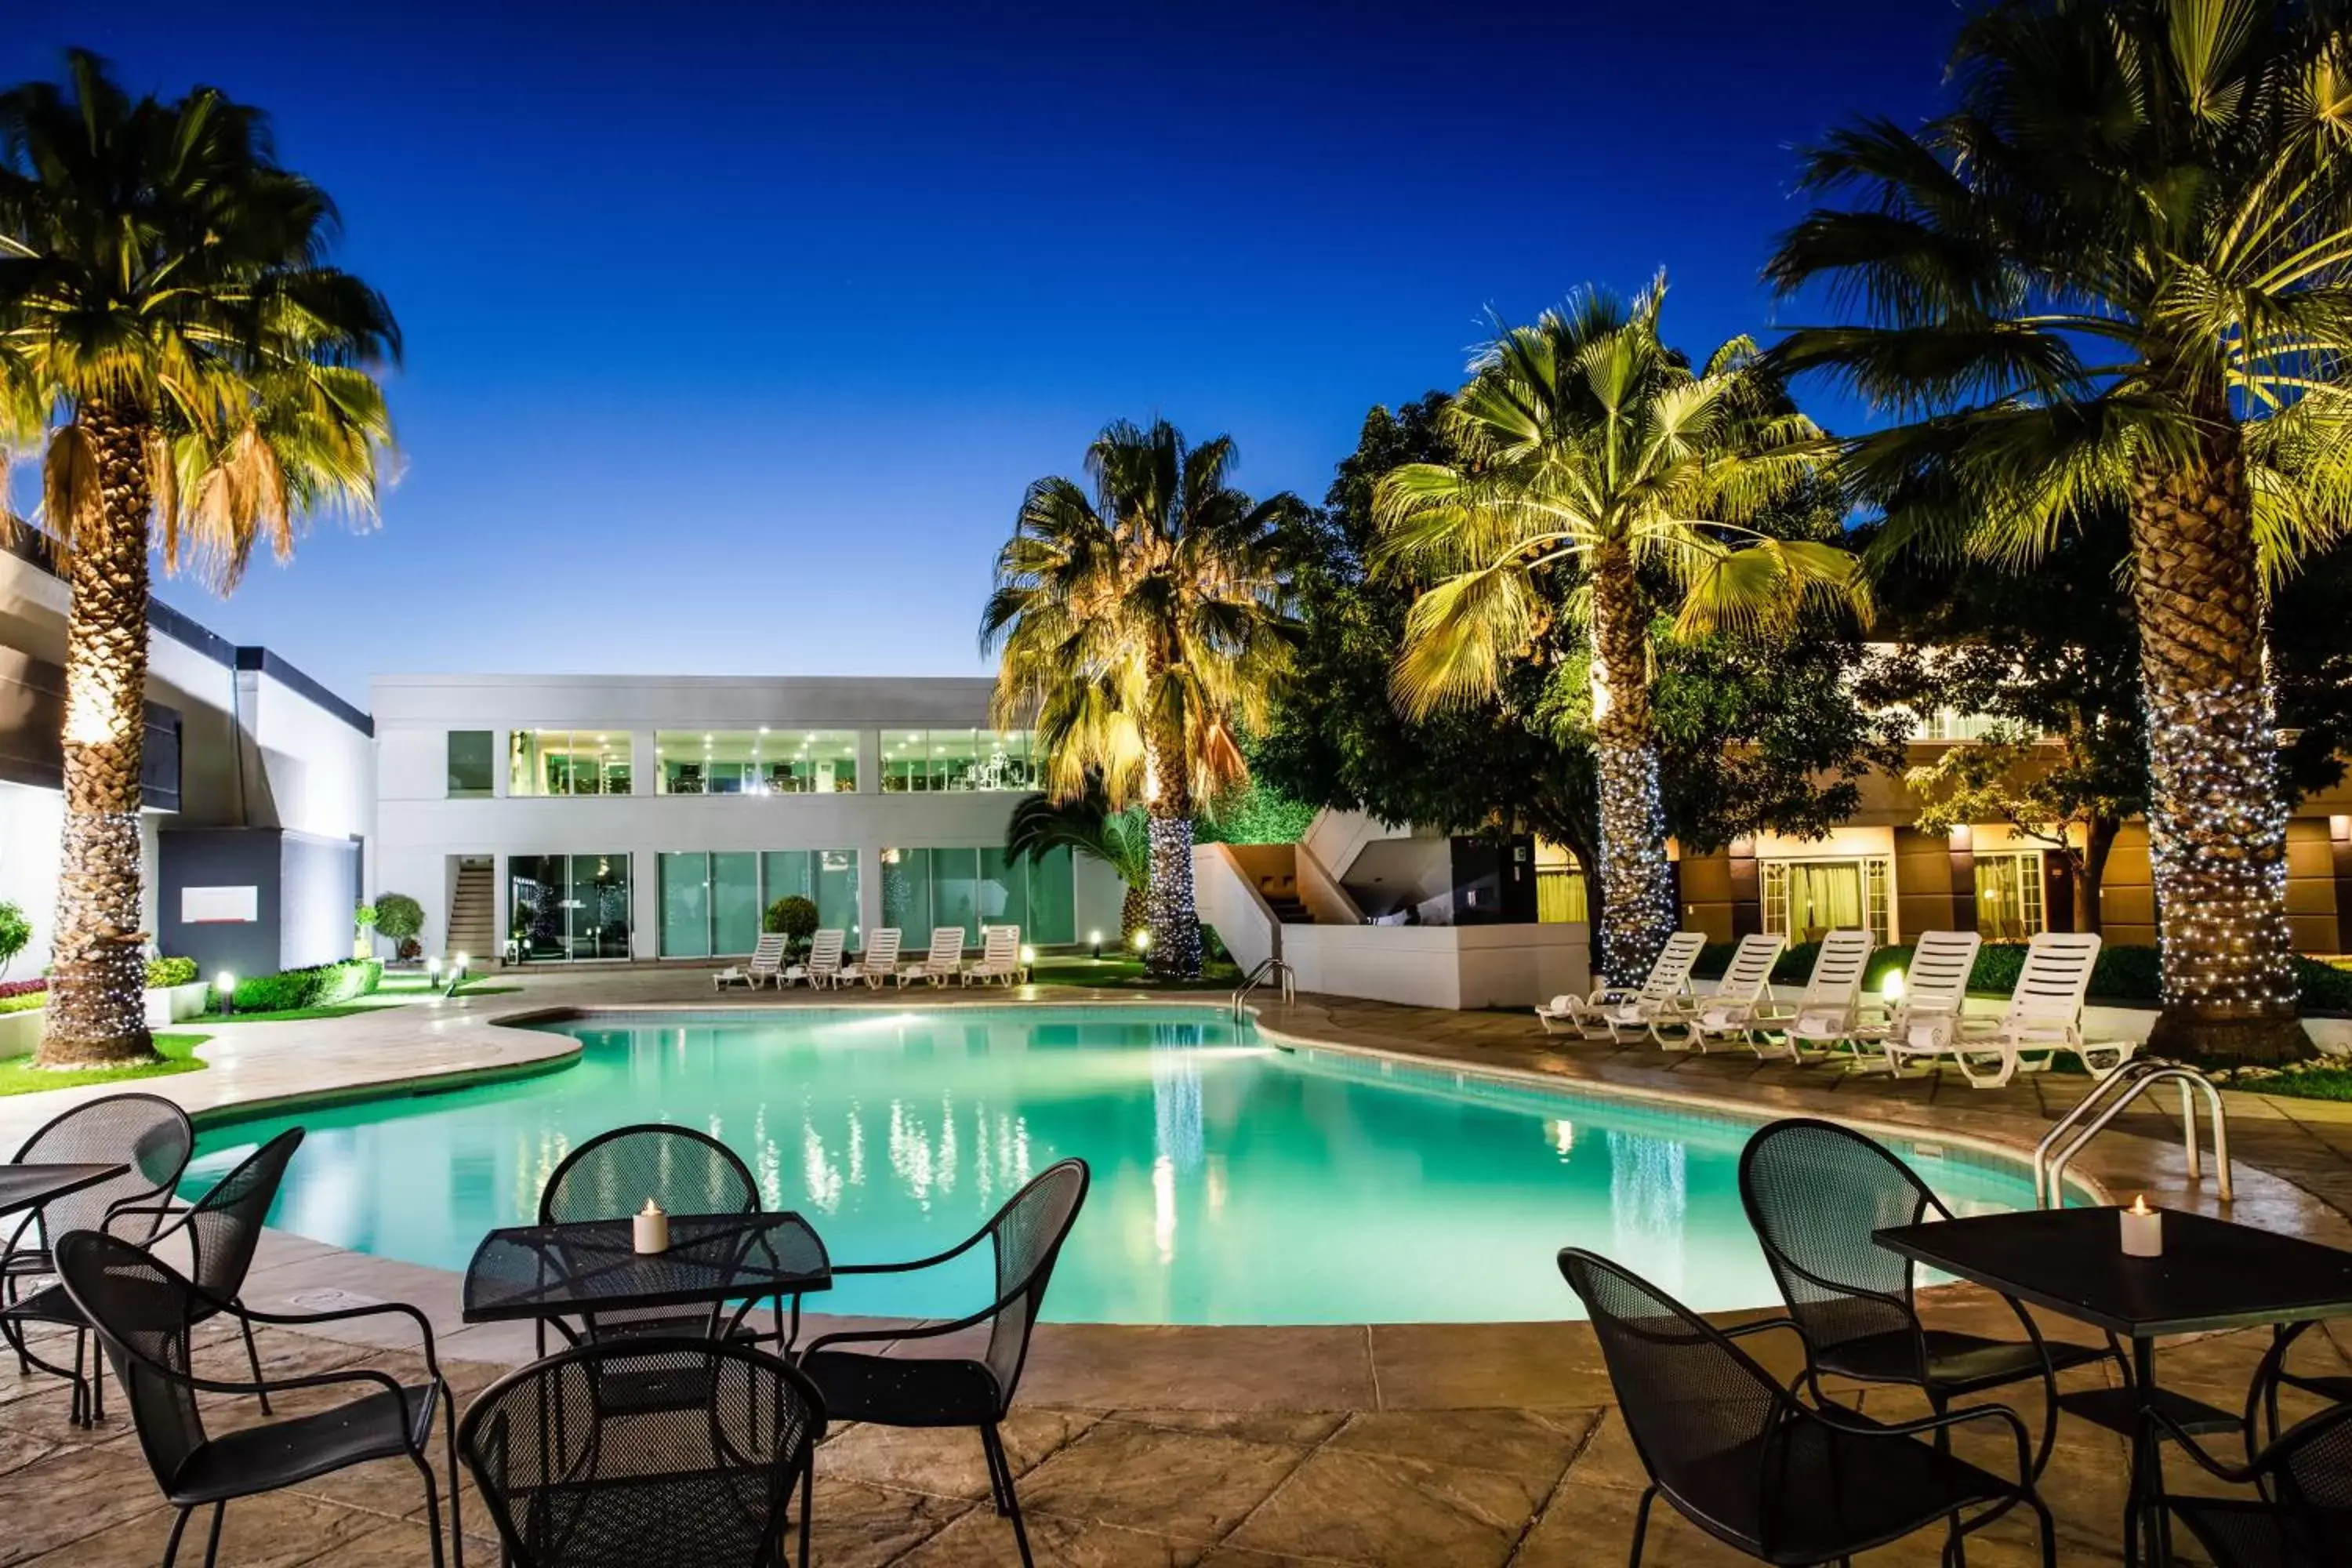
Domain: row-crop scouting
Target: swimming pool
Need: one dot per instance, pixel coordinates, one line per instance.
(1233, 1183)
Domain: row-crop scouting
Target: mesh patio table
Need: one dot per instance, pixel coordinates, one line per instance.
(30, 1186)
(586, 1267)
(2213, 1276)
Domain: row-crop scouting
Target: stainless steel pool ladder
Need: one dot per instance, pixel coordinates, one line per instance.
(2106, 1102)
(1274, 968)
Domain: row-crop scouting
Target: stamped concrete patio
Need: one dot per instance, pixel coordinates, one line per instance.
(1473, 1445)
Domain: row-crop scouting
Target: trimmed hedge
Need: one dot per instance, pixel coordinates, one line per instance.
(2122, 973)
(324, 986)
(162, 972)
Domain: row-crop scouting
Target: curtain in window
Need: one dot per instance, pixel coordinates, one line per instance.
(1822, 898)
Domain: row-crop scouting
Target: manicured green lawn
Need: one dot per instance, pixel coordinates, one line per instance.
(295, 1015)
(179, 1053)
(2320, 1080)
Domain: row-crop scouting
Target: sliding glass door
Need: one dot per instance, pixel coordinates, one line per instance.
(926, 888)
(566, 908)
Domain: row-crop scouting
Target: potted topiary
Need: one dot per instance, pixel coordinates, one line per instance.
(399, 918)
(796, 917)
(364, 921)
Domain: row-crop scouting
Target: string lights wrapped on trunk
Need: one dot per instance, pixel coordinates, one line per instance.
(2217, 843)
(1637, 891)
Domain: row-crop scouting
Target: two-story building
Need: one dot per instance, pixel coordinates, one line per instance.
(563, 819)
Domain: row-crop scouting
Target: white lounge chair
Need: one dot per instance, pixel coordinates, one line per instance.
(766, 964)
(823, 966)
(1596, 1017)
(1924, 1023)
(1824, 1017)
(1000, 956)
(944, 962)
(1729, 1011)
(2045, 1016)
(877, 963)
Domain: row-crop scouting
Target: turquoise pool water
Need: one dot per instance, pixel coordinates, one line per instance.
(1234, 1182)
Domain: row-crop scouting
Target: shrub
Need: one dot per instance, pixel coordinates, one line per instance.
(2326, 988)
(793, 916)
(162, 972)
(398, 916)
(323, 986)
(25, 987)
(16, 930)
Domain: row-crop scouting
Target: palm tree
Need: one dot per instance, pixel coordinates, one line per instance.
(2118, 273)
(205, 382)
(1593, 449)
(1087, 826)
(1140, 618)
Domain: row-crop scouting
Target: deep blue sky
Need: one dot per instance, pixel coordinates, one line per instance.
(734, 332)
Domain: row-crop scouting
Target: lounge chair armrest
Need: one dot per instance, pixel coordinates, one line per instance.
(385, 1381)
(157, 1214)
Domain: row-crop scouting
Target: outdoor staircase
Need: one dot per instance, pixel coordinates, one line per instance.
(1288, 909)
(473, 929)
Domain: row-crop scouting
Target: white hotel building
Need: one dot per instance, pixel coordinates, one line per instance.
(570, 818)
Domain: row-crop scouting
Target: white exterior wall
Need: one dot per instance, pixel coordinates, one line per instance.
(419, 828)
(253, 751)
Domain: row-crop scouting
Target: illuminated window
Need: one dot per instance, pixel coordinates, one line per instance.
(1807, 899)
(755, 761)
(967, 760)
(2009, 904)
(568, 762)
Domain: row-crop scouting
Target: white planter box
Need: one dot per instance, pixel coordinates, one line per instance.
(170, 1004)
(20, 1034)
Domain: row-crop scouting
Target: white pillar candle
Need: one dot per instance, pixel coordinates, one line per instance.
(2143, 1232)
(650, 1228)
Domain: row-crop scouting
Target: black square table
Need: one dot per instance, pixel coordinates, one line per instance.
(2214, 1274)
(30, 1186)
(539, 1272)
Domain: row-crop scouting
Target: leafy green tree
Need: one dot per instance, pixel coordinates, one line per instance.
(1253, 813)
(1593, 449)
(2114, 275)
(1755, 730)
(16, 930)
(204, 383)
(1142, 621)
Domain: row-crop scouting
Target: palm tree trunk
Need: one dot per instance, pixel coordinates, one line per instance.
(1175, 923)
(2217, 822)
(96, 1010)
(1637, 900)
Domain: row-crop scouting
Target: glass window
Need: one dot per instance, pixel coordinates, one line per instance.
(974, 887)
(2010, 905)
(907, 894)
(684, 906)
(471, 757)
(827, 878)
(755, 761)
(1807, 899)
(567, 907)
(568, 762)
(1559, 895)
(1053, 907)
(967, 760)
(734, 903)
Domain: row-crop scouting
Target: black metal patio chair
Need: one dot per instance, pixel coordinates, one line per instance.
(144, 1313)
(702, 1479)
(219, 1231)
(146, 1132)
(947, 1390)
(611, 1176)
(1815, 1191)
(2302, 1515)
(1742, 1458)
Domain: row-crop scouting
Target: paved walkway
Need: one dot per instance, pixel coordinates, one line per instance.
(1483, 1446)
